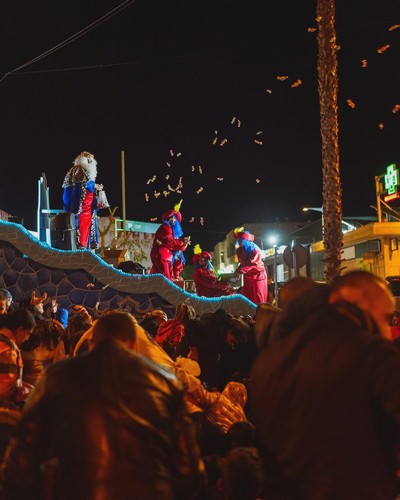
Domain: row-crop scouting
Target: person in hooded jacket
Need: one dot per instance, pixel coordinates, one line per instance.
(107, 424)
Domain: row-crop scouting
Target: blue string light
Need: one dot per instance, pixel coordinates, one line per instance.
(137, 277)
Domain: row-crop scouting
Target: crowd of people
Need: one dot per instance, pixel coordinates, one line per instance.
(299, 402)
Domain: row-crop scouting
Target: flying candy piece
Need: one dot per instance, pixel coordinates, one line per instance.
(258, 181)
(104, 287)
(318, 19)
(258, 142)
(215, 132)
(223, 142)
(215, 141)
(259, 132)
(383, 49)
(152, 179)
(171, 188)
(191, 220)
(394, 27)
(96, 307)
(220, 178)
(269, 91)
(233, 120)
(199, 190)
(202, 221)
(239, 123)
(166, 193)
(200, 170)
(381, 125)
(396, 108)
(282, 78)
(156, 195)
(193, 169)
(153, 219)
(179, 154)
(171, 152)
(167, 177)
(146, 197)
(364, 63)
(178, 191)
(168, 164)
(90, 285)
(350, 103)
(338, 47)
(311, 30)
(297, 83)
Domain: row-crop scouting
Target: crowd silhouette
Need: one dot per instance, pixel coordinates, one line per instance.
(299, 402)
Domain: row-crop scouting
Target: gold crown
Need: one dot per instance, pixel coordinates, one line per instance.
(87, 154)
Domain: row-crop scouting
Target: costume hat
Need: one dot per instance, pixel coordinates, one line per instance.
(240, 234)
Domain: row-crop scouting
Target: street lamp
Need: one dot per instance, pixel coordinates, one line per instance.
(273, 241)
(321, 211)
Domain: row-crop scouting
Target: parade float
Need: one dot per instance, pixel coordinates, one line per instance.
(84, 277)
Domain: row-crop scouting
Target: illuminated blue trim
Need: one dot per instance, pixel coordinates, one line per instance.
(119, 280)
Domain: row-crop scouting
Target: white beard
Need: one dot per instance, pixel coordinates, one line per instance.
(91, 168)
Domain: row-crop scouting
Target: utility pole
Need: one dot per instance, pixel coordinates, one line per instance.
(123, 192)
(378, 190)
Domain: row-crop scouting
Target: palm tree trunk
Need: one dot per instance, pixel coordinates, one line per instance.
(328, 93)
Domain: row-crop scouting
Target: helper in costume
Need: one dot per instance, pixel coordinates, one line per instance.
(80, 197)
(178, 258)
(255, 286)
(208, 284)
(168, 240)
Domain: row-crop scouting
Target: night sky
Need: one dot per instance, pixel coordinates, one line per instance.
(161, 77)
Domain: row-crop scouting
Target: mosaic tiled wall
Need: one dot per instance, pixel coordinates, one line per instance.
(21, 275)
(81, 277)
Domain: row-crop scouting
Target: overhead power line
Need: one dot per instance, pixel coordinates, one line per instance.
(111, 65)
(74, 37)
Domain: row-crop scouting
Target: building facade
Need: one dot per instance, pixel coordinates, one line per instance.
(373, 247)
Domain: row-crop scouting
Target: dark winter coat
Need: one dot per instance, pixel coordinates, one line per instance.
(325, 398)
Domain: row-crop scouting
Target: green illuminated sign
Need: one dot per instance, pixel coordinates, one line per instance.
(391, 178)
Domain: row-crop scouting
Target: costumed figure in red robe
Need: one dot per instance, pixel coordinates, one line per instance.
(80, 197)
(255, 286)
(208, 284)
(178, 258)
(168, 240)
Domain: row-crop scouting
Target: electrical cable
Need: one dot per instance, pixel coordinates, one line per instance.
(74, 37)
